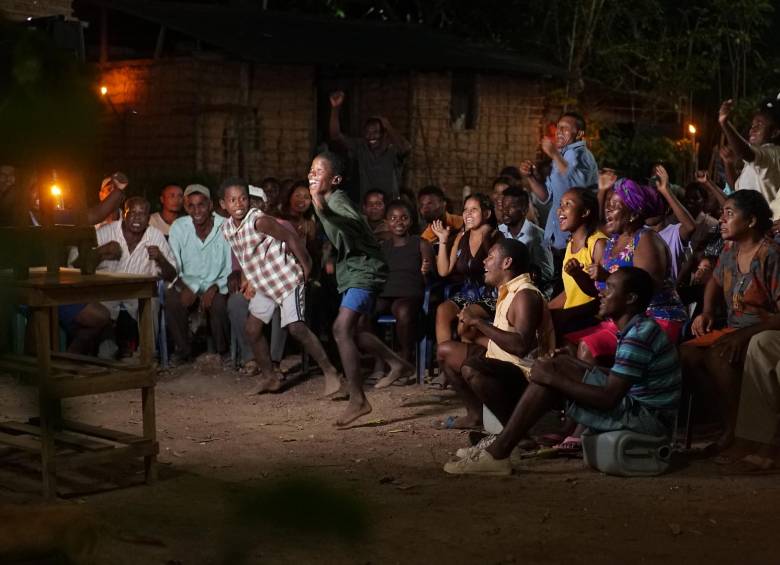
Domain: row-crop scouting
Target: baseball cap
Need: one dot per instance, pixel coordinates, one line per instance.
(197, 189)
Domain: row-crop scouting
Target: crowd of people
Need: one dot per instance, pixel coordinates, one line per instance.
(561, 286)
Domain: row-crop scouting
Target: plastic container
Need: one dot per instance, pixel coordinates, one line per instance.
(626, 453)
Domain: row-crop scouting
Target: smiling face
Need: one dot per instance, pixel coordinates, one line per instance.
(374, 207)
(373, 134)
(172, 198)
(136, 217)
(399, 220)
(734, 224)
(495, 265)
(473, 214)
(572, 212)
(566, 132)
(322, 180)
(7, 178)
(614, 297)
(199, 208)
(762, 130)
(236, 202)
(300, 200)
(617, 214)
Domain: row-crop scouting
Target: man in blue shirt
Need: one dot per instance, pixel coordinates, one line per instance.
(640, 392)
(573, 165)
(204, 262)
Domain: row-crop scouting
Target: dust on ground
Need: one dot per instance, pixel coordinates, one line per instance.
(231, 465)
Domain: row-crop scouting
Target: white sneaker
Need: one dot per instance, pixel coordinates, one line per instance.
(481, 463)
(484, 443)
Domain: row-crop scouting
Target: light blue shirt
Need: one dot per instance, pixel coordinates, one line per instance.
(538, 249)
(582, 171)
(200, 263)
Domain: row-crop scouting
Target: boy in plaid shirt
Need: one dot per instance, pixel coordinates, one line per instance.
(275, 264)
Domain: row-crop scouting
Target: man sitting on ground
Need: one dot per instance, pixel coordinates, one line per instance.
(172, 200)
(489, 371)
(433, 206)
(204, 263)
(515, 203)
(641, 392)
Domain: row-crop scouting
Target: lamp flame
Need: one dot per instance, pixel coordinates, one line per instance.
(692, 129)
(103, 90)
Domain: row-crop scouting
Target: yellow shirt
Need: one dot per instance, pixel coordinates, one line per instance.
(574, 295)
(545, 335)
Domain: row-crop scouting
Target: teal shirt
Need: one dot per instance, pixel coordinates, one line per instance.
(359, 259)
(201, 263)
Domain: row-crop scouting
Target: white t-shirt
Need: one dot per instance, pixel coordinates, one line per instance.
(763, 174)
(156, 220)
(135, 263)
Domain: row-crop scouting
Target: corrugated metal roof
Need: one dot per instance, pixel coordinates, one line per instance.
(285, 38)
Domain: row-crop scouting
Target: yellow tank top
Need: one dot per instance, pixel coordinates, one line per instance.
(545, 334)
(574, 295)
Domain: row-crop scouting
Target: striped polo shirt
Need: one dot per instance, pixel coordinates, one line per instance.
(649, 361)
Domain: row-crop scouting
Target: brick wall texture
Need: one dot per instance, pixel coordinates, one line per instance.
(185, 116)
(22, 9)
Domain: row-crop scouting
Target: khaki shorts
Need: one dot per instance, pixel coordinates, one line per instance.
(293, 307)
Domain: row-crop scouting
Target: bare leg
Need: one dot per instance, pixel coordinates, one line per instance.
(493, 393)
(90, 323)
(371, 344)
(446, 318)
(311, 345)
(345, 330)
(270, 380)
(727, 381)
(406, 312)
(451, 356)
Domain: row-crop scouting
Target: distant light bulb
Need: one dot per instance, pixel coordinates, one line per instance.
(692, 129)
(103, 90)
(56, 190)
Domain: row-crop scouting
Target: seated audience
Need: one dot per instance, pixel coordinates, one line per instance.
(204, 263)
(271, 190)
(696, 201)
(499, 186)
(578, 214)
(463, 264)
(517, 226)
(747, 277)
(677, 235)
(409, 259)
(433, 206)
(172, 200)
(374, 211)
(490, 370)
(631, 244)
(640, 393)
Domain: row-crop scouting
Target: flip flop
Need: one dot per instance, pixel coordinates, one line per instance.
(451, 423)
(569, 447)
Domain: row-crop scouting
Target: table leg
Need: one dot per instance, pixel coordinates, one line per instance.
(146, 335)
(48, 408)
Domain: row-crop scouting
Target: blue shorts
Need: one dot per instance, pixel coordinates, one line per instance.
(360, 300)
(67, 315)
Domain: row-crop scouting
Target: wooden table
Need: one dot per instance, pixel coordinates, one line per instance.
(69, 444)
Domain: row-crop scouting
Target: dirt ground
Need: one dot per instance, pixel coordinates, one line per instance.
(268, 479)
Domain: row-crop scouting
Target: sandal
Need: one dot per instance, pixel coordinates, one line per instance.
(569, 447)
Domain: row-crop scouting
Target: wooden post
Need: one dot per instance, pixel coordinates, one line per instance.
(48, 408)
(146, 337)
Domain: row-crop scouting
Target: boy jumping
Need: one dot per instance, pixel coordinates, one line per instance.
(361, 272)
(276, 265)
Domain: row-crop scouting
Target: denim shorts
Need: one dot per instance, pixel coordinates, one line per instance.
(360, 300)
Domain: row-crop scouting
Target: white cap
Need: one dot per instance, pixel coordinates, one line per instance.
(257, 192)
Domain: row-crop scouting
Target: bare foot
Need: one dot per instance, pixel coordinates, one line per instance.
(354, 411)
(332, 384)
(267, 383)
(396, 372)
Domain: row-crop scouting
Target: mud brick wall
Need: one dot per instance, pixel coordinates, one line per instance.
(508, 127)
(23, 9)
(187, 119)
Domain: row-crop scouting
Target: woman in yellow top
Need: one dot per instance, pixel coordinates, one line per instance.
(578, 214)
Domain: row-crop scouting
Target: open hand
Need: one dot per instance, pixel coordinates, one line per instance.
(119, 181)
(701, 177)
(727, 154)
(442, 231)
(549, 147)
(725, 111)
(662, 181)
(337, 98)
(607, 178)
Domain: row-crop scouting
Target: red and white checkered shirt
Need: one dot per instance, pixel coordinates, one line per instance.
(267, 263)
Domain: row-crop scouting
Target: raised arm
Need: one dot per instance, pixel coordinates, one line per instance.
(113, 201)
(607, 178)
(738, 144)
(295, 244)
(400, 142)
(537, 187)
(445, 259)
(336, 101)
(703, 179)
(687, 223)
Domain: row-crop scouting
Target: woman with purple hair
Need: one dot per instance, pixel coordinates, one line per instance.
(630, 243)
